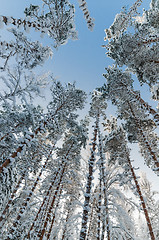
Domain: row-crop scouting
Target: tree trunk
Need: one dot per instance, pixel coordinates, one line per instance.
(60, 169)
(24, 205)
(142, 200)
(83, 232)
(99, 209)
(104, 228)
(54, 215)
(91, 218)
(11, 198)
(41, 234)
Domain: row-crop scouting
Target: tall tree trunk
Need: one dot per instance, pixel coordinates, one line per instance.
(91, 218)
(141, 199)
(67, 218)
(54, 215)
(60, 169)
(41, 233)
(11, 198)
(44, 211)
(24, 205)
(83, 231)
(99, 208)
(102, 168)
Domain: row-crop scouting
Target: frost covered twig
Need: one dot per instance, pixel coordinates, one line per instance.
(121, 22)
(89, 20)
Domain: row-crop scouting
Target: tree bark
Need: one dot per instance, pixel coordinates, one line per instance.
(24, 205)
(142, 200)
(60, 169)
(11, 198)
(54, 215)
(83, 231)
(107, 227)
(41, 234)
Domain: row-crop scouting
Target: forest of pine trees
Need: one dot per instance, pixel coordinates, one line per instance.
(57, 182)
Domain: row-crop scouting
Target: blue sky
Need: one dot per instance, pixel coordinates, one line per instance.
(84, 60)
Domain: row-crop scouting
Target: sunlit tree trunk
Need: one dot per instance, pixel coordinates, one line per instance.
(141, 199)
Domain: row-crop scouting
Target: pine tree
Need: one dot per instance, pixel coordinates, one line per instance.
(139, 126)
(151, 202)
(97, 108)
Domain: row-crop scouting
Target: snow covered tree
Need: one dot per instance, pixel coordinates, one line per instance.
(117, 146)
(60, 117)
(139, 125)
(54, 18)
(47, 191)
(133, 44)
(151, 202)
(137, 51)
(107, 210)
(97, 108)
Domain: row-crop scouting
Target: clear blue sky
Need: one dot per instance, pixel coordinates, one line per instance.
(84, 60)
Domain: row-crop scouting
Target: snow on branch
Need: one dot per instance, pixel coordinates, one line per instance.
(30, 54)
(121, 22)
(54, 19)
(89, 20)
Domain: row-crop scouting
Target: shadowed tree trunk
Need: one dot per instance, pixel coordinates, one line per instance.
(41, 233)
(54, 215)
(105, 227)
(83, 232)
(24, 205)
(60, 169)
